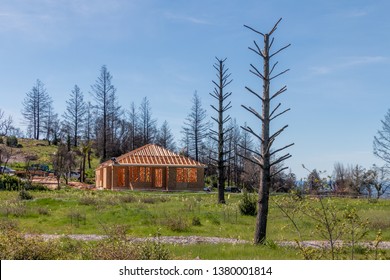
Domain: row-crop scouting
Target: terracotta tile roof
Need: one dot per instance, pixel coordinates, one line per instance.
(152, 154)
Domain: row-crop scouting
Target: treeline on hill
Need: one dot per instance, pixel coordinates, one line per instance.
(104, 129)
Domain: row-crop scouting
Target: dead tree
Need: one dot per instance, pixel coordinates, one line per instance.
(267, 157)
(220, 135)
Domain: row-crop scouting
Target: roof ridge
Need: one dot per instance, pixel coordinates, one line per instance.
(154, 154)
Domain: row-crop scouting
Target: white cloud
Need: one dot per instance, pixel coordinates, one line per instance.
(362, 60)
(186, 18)
(356, 13)
(348, 62)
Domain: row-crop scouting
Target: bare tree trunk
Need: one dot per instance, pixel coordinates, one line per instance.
(263, 159)
(265, 180)
(219, 94)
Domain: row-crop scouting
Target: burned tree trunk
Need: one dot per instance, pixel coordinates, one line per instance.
(220, 135)
(267, 157)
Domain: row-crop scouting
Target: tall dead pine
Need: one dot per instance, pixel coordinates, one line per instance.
(220, 135)
(267, 157)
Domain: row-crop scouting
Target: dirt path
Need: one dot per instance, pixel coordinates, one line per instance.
(188, 240)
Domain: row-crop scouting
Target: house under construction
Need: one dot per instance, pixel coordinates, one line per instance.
(151, 167)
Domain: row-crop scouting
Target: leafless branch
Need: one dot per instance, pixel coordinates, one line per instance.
(214, 95)
(281, 149)
(250, 150)
(271, 43)
(273, 67)
(213, 138)
(277, 133)
(282, 158)
(214, 119)
(215, 84)
(280, 170)
(212, 106)
(248, 129)
(280, 114)
(251, 91)
(228, 118)
(255, 161)
(275, 26)
(256, 52)
(254, 112)
(283, 89)
(278, 51)
(226, 83)
(273, 111)
(227, 107)
(257, 72)
(254, 30)
(281, 73)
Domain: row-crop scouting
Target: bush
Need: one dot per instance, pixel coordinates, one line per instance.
(152, 251)
(14, 208)
(76, 217)
(88, 200)
(10, 183)
(15, 246)
(43, 211)
(35, 187)
(127, 199)
(25, 195)
(248, 205)
(12, 141)
(177, 223)
(196, 221)
(13, 183)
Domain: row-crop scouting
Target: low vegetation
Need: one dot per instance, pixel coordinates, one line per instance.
(125, 215)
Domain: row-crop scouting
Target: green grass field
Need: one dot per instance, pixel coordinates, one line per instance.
(144, 214)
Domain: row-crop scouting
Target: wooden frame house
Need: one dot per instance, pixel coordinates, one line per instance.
(151, 167)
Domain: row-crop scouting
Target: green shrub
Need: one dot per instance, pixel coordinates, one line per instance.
(196, 221)
(117, 247)
(10, 183)
(152, 251)
(127, 199)
(213, 218)
(14, 183)
(25, 195)
(12, 141)
(110, 250)
(14, 208)
(35, 187)
(247, 205)
(15, 246)
(88, 200)
(176, 223)
(43, 211)
(76, 217)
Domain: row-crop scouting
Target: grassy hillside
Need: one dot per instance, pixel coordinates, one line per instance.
(38, 151)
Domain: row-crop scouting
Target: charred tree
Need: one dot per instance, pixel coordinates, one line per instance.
(195, 128)
(35, 106)
(220, 135)
(74, 116)
(267, 157)
(104, 93)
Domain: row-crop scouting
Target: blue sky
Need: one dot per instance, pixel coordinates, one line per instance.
(339, 59)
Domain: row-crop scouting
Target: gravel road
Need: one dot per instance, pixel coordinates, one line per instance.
(187, 240)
